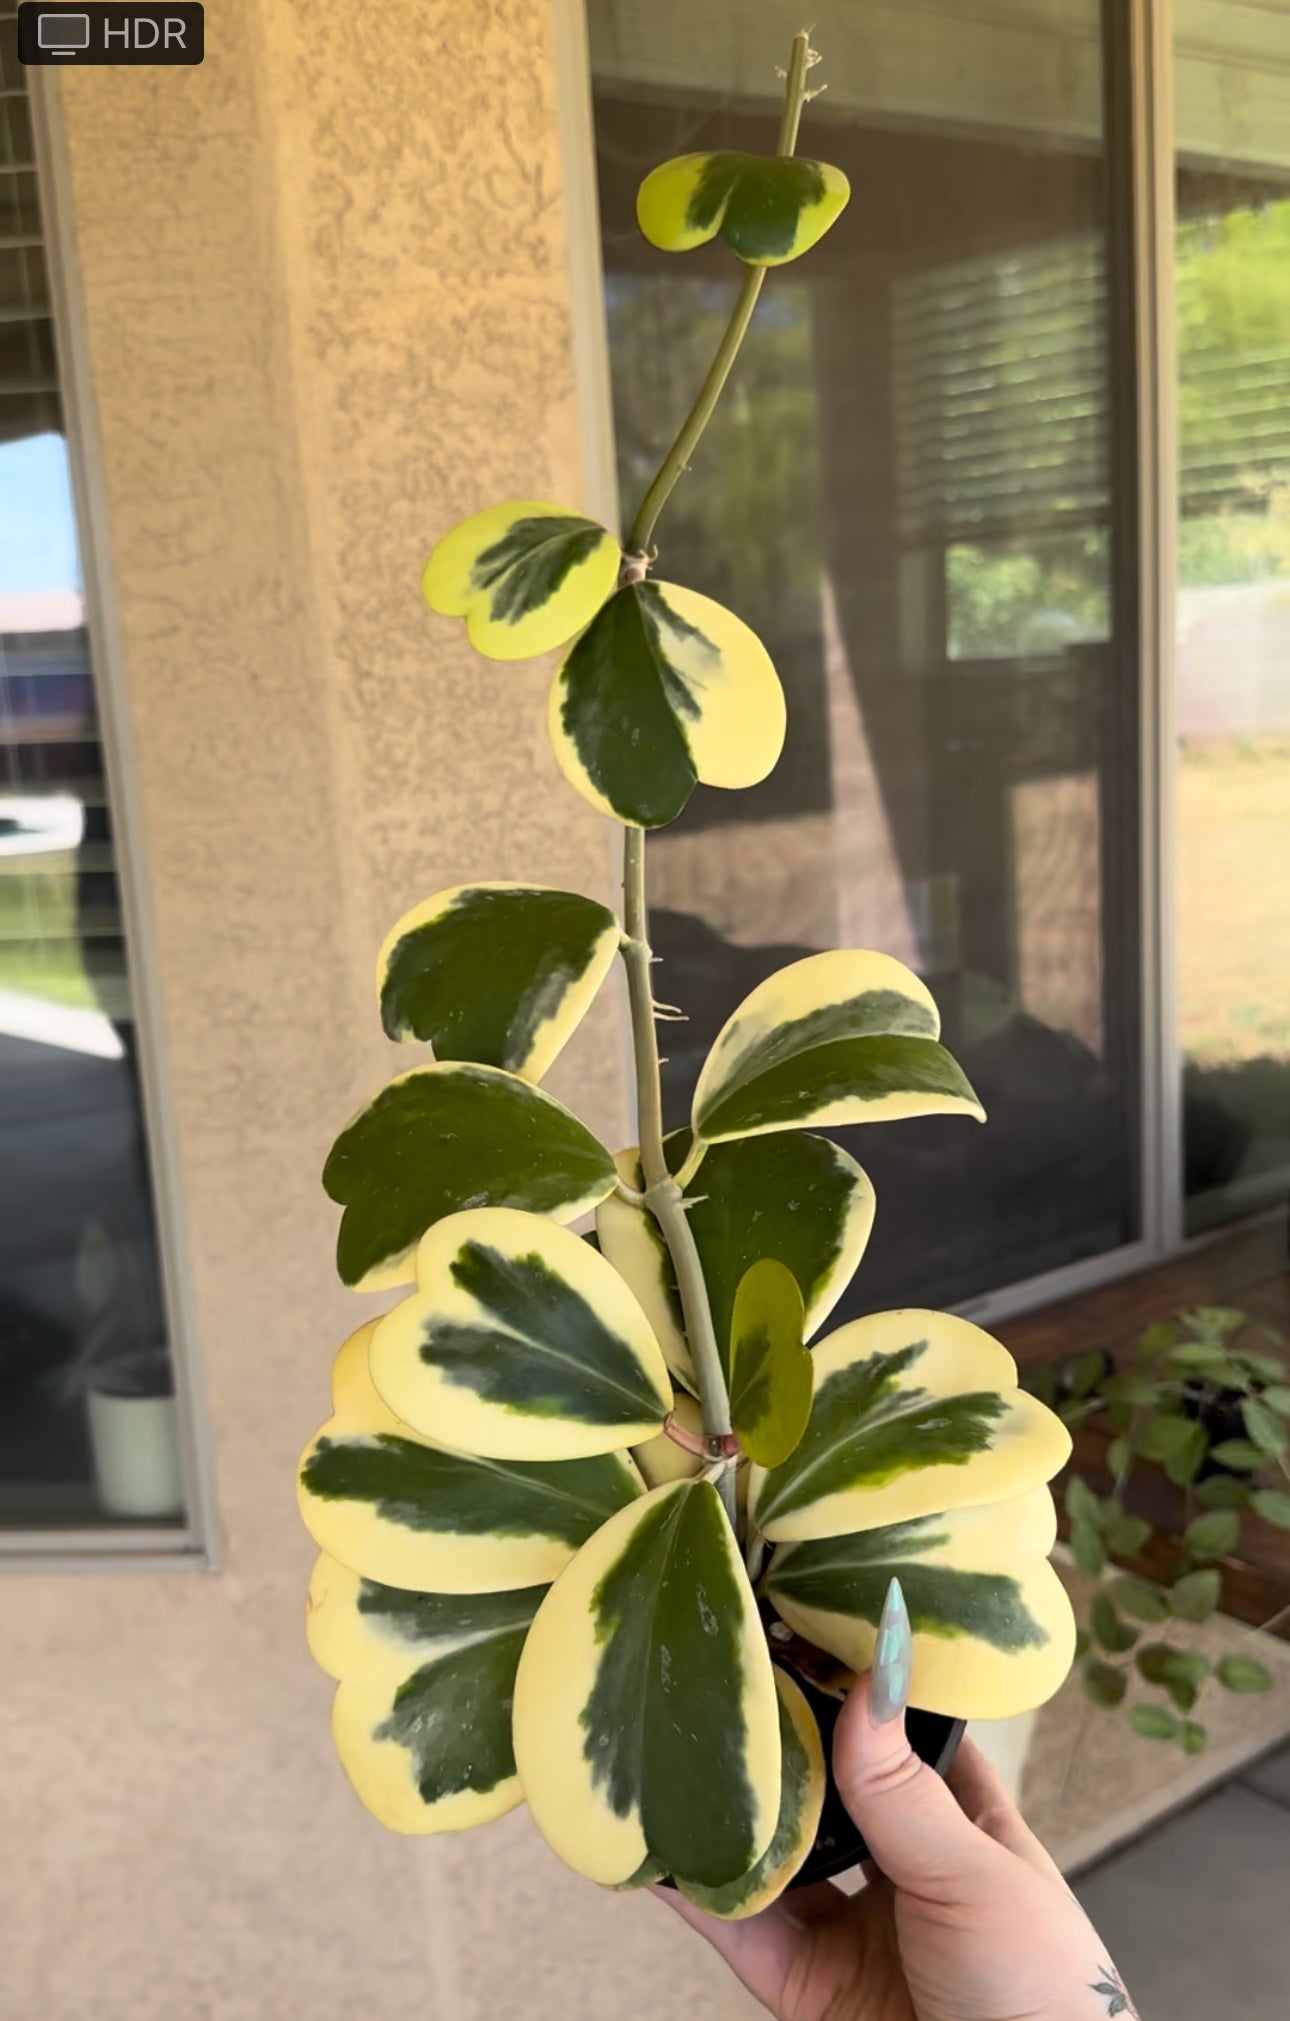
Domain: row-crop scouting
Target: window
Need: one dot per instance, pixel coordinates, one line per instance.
(1232, 263)
(912, 492)
(89, 1431)
(1000, 395)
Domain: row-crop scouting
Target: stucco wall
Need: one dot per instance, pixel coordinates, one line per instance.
(328, 311)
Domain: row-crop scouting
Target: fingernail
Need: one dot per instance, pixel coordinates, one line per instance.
(893, 1659)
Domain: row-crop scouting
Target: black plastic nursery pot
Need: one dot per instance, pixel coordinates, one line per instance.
(839, 1842)
(1219, 1414)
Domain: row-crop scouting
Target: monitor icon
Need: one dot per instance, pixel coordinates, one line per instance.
(63, 34)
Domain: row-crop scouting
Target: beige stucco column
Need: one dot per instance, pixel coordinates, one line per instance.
(327, 310)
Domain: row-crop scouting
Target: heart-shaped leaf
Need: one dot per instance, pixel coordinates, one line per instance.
(1238, 1453)
(803, 1780)
(1182, 1466)
(1180, 1671)
(497, 974)
(1126, 1535)
(1113, 1634)
(992, 1626)
(520, 1343)
(396, 1507)
(1264, 1428)
(1195, 1596)
(1220, 1491)
(770, 1369)
(1087, 1549)
(1145, 1603)
(913, 1413)
(1242, 1673)
(422, 1715)
(1165, 1437)
(1213, 1534)
(1082, 1505)
(646, 1716)
(663, 690)
(664, 1459)
(845, 1037)
(443, 1138)
(1104, 1684)
(792, 1196)
(1152, 1722)
(767, 208)
(525, 576)
(1267, 1367)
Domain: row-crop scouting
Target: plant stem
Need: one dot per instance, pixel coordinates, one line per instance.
(698, 417)
(799, 63)
(662, 1193)
(678, 456)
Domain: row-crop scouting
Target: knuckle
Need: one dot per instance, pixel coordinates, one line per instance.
(878, 1780)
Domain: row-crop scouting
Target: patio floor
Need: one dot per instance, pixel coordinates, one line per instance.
(1192, 1909)
(1194, 1912)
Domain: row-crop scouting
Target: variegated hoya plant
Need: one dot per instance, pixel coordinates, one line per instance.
(573, 1493)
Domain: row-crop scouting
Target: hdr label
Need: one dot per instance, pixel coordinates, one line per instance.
(119, 33)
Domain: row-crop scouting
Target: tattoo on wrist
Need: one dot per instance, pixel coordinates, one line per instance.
(1112, 1991)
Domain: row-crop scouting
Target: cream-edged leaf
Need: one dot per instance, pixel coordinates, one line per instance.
(664, 690)
(791, 1196)
(914, 1412)
(444, 1138)
(497, 974)
(993, 1630)
(767, 208)
(396, 1507)
(803, 1781)
(521, 1343)
(665, 1459)
(844, 1037)
(646, 1719)
(422, 1713)
(525, 576)
(631, 1239)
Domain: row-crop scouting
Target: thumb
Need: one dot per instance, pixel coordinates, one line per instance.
(911, 1822)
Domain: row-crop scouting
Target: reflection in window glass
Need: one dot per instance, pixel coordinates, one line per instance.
(1000, 407)
(1233, 700)
(88, 1430)
(908, 492)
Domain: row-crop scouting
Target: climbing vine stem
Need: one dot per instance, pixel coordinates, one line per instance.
(662, 1192)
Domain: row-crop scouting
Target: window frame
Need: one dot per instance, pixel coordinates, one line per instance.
(190, 1544)
(1138, 40)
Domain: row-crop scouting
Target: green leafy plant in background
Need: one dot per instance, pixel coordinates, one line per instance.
(1206, 1402)
(568, 1484)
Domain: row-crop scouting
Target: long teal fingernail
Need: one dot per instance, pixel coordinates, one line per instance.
(893, 1660)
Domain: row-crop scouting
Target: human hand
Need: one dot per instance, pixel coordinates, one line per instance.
(964, 1916)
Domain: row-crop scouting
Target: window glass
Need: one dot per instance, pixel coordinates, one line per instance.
(912, 492)
(88, 1430)
(1233, 699)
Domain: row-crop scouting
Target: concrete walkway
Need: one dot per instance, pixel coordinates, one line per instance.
(1195, 1912)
